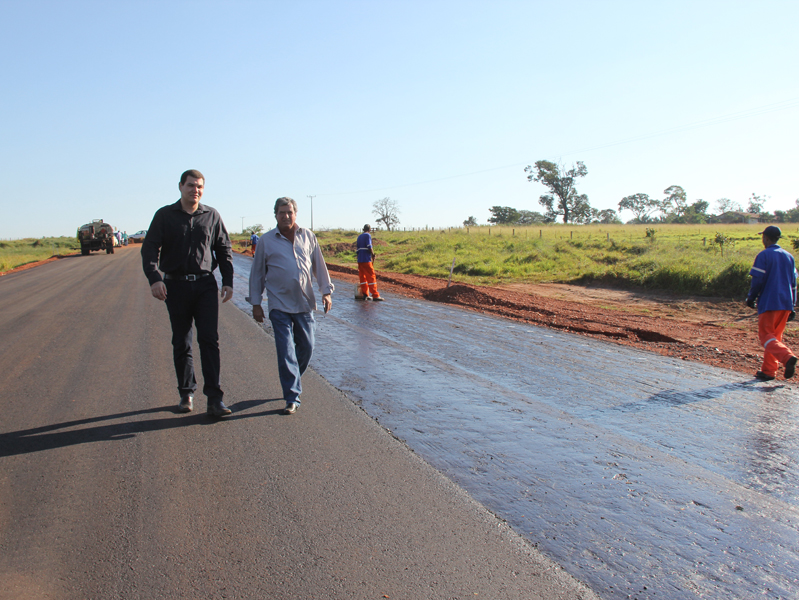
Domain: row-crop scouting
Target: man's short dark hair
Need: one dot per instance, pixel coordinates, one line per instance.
(286, 201)
(191, 173)
(367, 227)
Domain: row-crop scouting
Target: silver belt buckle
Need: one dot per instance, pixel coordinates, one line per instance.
(191, 277)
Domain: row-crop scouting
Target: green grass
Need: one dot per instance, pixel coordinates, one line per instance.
(16, 253)
(678, 258)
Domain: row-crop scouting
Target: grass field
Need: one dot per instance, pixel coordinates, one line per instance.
(709, 260)
(15, 253)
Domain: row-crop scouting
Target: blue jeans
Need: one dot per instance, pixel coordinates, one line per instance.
(294, 339)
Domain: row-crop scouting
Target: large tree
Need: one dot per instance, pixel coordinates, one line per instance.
(503, 215)
(581, 210)
(676, 200)
(641, 205)
(756, 204)
(563, 198)
(530, 217)
(257, 229)
(387, 212)
(696, 212)
(608, 216)
(726, 205)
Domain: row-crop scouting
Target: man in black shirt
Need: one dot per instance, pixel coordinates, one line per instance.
(192, 241)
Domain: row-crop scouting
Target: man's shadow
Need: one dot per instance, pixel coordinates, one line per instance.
(95, 429)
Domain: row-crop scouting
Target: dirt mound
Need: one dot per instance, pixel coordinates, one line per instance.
(466, 295)
(336, 248)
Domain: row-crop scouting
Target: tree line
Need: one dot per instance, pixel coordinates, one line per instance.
(564, 201)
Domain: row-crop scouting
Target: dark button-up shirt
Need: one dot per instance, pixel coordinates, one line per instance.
(188, 243)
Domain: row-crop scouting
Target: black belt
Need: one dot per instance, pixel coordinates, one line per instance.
(189, 277)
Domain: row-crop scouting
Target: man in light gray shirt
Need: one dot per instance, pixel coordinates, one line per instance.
(285, 259)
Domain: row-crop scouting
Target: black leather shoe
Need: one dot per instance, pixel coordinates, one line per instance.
(763, 377)
(217, 408)
(186, 403)
(790, 367)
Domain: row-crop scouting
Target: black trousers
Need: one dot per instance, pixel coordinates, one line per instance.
(195, 303)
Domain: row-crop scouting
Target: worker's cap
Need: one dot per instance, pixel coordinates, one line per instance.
(772, 231)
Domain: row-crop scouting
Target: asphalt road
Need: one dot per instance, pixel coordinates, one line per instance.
(106, 492)
(646, 477)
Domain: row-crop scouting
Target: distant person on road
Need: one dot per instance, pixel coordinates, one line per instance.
(774, 290)
(124, 238)
(366, 271)
(284, 262)
(253, 242)
(192, 241)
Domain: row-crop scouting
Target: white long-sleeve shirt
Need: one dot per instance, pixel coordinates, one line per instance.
(285, 270)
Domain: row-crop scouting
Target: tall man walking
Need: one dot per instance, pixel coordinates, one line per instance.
(774, 289)
(285, 260)
(366, 270)
(192, 241)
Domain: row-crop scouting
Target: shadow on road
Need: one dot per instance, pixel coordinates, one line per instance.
(83, 431)
(674, 398)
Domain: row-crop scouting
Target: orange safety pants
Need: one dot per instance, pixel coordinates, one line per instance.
(770, 327)
(368, 279)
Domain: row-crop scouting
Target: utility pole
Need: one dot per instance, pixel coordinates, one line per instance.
(312, 197)
(242, 224)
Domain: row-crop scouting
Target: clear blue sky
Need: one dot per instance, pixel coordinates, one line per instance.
(438, 105)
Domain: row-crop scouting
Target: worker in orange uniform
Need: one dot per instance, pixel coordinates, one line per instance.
(774, 290)
(366, 271)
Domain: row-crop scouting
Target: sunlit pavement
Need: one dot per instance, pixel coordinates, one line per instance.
(644, 476)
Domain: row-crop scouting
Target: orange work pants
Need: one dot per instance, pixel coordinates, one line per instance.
(368, 279)
(770, 327)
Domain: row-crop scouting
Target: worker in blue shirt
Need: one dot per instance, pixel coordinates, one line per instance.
(254, 242)
(366, 271)
(774, 290)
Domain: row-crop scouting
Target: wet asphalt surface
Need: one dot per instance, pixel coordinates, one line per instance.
(643, 476)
